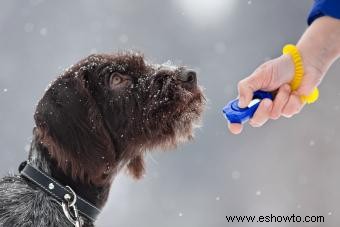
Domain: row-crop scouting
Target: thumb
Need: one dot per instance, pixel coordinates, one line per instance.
(249, 85)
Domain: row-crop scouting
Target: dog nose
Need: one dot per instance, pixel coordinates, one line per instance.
(188, 76)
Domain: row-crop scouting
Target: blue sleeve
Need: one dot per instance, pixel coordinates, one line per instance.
(324, 8)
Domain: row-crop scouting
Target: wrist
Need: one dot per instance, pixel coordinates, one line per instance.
(320, 45)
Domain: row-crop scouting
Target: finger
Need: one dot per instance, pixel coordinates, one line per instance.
(262, 113)
(293, 106)
(280, 101)
(235, 128)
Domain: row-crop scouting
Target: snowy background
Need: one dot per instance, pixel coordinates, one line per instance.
(287, 166)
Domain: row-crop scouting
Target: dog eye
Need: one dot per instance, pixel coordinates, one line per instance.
(116, 79)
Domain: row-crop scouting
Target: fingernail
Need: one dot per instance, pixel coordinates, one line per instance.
(241, 102)
(267, 103)
(274, 116)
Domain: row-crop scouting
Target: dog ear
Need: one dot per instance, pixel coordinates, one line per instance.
(71, 126)
(136, 167)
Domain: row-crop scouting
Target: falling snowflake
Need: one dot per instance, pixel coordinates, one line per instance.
(27, 147)
(93, 51)
(220, 48)
(180, 214)
(5, 90)
(123, 38)
(258, 193)
(235, 175)
(36, 2)
(218, 198)
(43, 31)
(29, 27)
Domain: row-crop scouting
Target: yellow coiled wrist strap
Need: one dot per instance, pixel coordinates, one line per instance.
(299, 73)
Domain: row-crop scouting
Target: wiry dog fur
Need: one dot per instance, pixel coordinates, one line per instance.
(101, 115)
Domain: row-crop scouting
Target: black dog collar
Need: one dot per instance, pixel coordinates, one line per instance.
(55, 189)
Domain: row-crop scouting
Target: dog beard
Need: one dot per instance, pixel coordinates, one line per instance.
(176, 107)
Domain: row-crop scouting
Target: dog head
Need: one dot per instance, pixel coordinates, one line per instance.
(104, 112)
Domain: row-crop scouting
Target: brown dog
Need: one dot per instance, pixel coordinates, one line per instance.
(101, 115)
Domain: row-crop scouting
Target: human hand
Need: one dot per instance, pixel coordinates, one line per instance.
(319, 47)
(275, 75)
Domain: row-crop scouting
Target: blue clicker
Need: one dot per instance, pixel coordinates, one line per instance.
(235, 114)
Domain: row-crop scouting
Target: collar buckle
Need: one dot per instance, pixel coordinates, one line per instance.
(70, 209)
